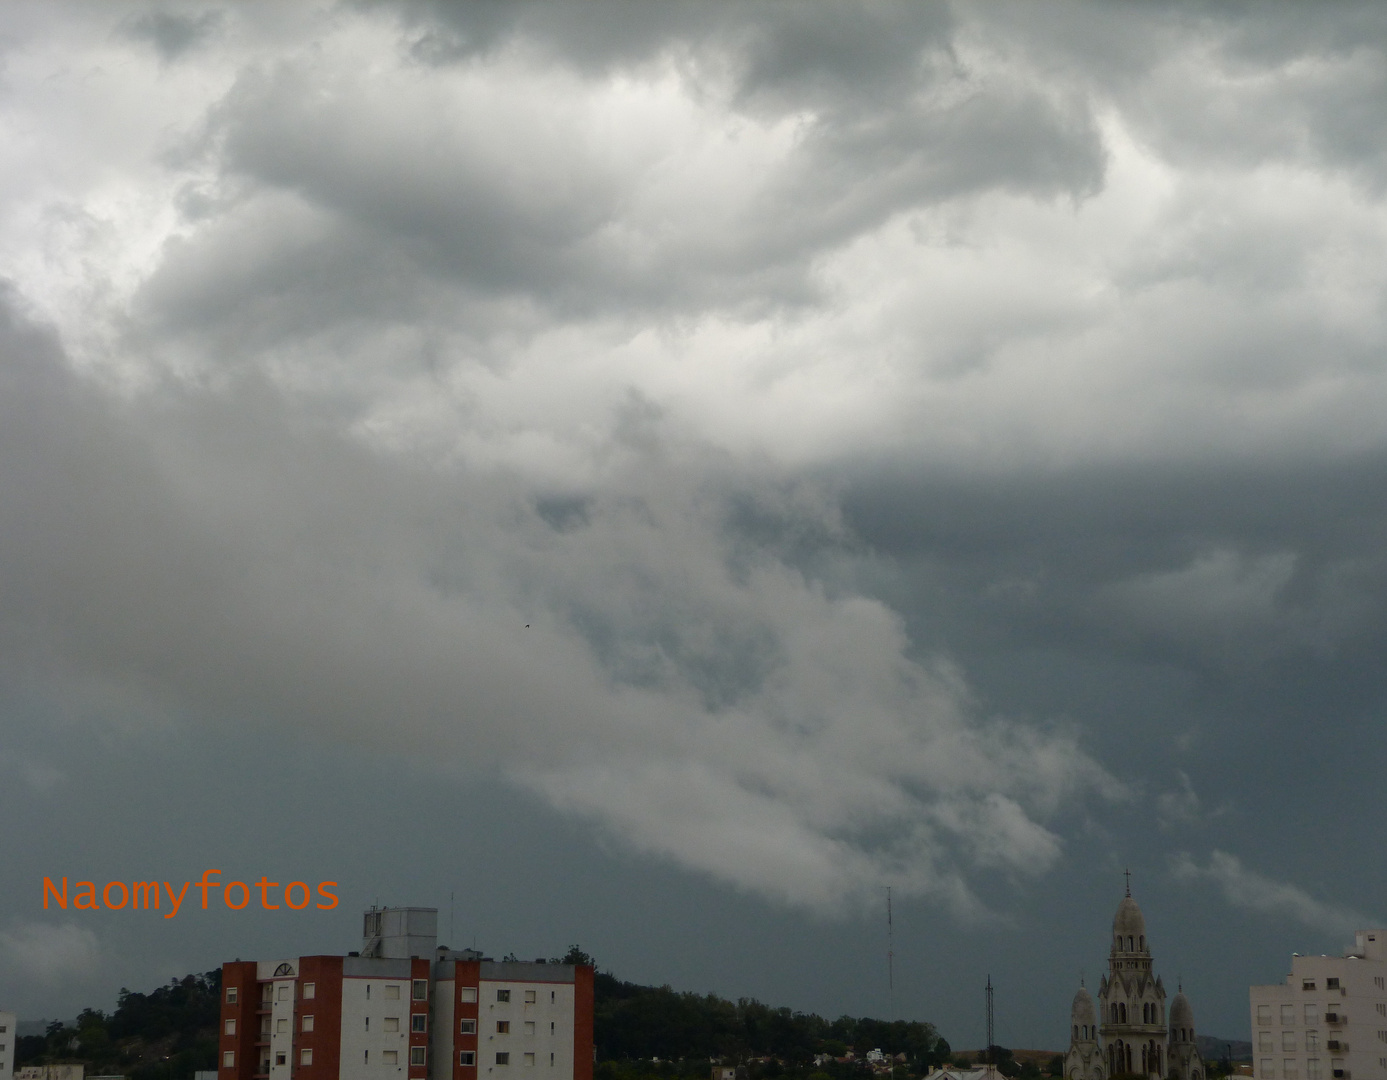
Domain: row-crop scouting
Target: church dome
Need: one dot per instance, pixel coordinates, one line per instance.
(1129, 923)
(1181, 1015)
(1083, 1011)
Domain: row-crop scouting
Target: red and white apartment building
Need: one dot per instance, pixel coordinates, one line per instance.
(404, 1009)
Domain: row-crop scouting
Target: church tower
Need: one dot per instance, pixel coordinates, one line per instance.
(1126, 1030)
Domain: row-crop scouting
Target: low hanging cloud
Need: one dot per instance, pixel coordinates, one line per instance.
(1246, 889)
(51, 953)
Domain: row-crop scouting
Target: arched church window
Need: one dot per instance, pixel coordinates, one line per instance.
(1129, 943)
(1122, 1012)
(1114, 1014)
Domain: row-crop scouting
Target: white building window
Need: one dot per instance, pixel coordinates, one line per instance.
(1287, 1015)
(392, 1023)
(283, 991)
(467, 1026)
(1312, 1013)
(503, 1058)
(231, 995)
(392, 992)
(502, 1027)
(229, 1059)
(281, 1058)
(467, 994)
(529, 1059)
(1288, 1040)
(281, 1025)
(231, 1027)
(529, 1027)
(502, 995)
(467, 1058)
(416, 1055)
(421, 989)
(1312, 1069)
(1264, 1040)
(551, 1059)
(310, 991)
(1265, 1070)
(1264, 1015)
(306, 1056)
(1288, 1069)
(306, 1024)
(529, 997)
(392, 1057)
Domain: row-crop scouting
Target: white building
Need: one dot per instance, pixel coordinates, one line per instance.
(1127, 1030)
(404, 1009)
(8, 1034)
(1328, 1021)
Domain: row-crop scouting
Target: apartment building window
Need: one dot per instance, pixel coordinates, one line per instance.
(529, 997)
(1287, 1015)
(416, 1055)
(1264, 1069)
(310, 991)
(551, 1027)
(529, 1027)
(419, 1022)
(1331, 984)
(502, 1027)
(1336, 1066)
(231, 1027)
(1312, 1041)
(368, 1023)
(306, 1023)
(231, 995)
(1312, 1069)
(502, 995)
(467, 1058)
(280, 1058)
(467, 994)
(1307, 984)
(1264, 1041)
(368, 991)
(1264, 1015)
(529, 1060)
(281, 1025)
(421, 989)
(229, 1059)
(1288, 1069)
(306, 1056)
(392, 993)
(467, 1026)
(551, 1058)
(283, 991)
(392, 1057)
(551, 996)
(1288, 1040)
(1380, 981)
(1312, 1013)
(392, 1023)
(502, 1058)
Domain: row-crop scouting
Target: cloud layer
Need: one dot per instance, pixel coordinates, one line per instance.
(654, 417)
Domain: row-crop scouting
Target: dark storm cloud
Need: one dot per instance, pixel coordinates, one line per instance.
(820, 445)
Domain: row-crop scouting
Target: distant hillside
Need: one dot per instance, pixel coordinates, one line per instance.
(1214, 1049)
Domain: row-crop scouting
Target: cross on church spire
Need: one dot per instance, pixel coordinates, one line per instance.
(1128, 875)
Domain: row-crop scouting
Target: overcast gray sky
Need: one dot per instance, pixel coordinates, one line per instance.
(666, 472)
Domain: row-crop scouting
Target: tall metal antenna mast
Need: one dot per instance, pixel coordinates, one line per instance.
(990, 1040)
(890, 951)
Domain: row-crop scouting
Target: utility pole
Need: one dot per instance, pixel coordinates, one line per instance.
(990, 1039)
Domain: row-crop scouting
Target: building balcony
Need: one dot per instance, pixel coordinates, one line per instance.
(1337, 1045)
(1335, 1018)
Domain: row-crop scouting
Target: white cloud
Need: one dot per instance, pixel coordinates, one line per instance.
(1251, 891)
(52, 954)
